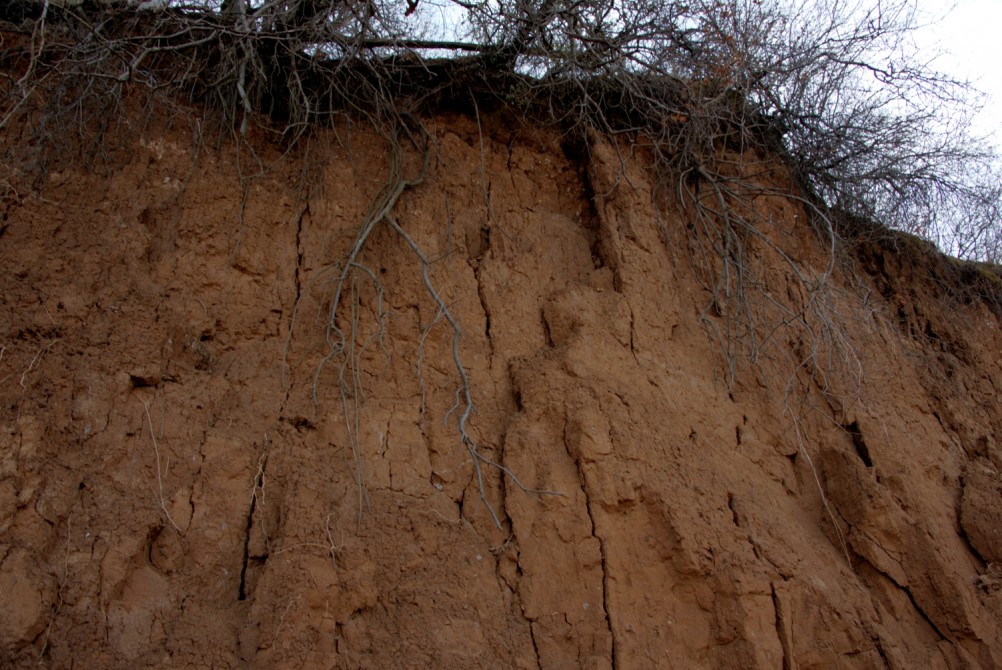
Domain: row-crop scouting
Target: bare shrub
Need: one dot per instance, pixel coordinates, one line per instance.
(836, 87)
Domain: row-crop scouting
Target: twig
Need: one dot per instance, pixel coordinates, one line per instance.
(160, 483)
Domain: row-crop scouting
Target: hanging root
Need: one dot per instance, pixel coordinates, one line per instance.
(464, 395)
(342, 340)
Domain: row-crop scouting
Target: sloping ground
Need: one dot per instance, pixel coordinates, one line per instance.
(179, 486)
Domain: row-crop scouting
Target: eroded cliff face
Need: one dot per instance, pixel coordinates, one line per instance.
(187, 480)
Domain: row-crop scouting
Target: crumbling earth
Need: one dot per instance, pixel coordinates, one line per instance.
(190, 478)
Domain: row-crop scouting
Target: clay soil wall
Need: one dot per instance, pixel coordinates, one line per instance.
(190, 478)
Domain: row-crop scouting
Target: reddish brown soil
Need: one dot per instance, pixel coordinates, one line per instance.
(179, 486)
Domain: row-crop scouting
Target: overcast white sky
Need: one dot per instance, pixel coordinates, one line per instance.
(971, 31)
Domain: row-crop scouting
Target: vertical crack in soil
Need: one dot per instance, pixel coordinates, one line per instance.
(535, 645)
(601, 228)
(858, 443)
(962, 530)
(578, 152)
(962, 534)
(601, 544)
(782, 630)
(477, 272)
(880, 649)
(258, 484)
(605, 586)
(298, 279)
(299, 250)
(593, 223)
(911, 597)
(925, 617)
(546, 329)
